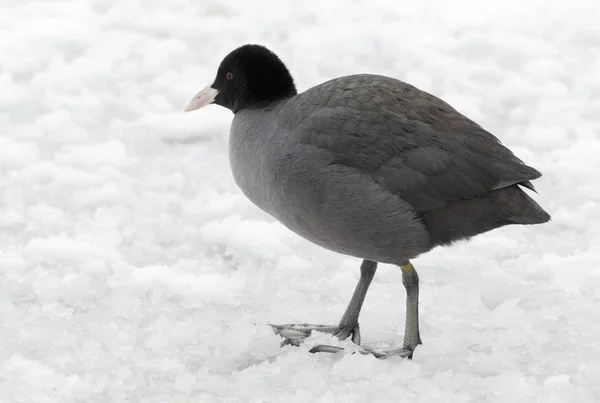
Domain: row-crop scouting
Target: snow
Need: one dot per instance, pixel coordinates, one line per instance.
(132, 269)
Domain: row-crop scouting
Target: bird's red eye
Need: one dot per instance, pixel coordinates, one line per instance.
(229, 76)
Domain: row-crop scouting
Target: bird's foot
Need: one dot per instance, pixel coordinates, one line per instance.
(384, 354)
(295, 334)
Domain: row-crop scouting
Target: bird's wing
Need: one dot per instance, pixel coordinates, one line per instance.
(414, 144)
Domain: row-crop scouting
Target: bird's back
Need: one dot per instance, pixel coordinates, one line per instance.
(412, 142)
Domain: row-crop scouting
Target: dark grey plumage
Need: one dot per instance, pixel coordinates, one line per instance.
(366, 165)
(371, 167)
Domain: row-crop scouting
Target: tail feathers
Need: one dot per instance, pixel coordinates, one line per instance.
(463, 219)
(521, 209)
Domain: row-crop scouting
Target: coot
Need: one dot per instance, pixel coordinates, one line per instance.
(367, 166)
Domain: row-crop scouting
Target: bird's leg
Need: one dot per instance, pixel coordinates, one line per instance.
(348, 326)
(295, 334)
(412, 336)
(349, 323)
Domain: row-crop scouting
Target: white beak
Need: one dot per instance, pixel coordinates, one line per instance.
(201, 99)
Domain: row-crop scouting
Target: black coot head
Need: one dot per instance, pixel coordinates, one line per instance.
(249, 76)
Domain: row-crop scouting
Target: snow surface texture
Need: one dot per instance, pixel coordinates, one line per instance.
(133, 270)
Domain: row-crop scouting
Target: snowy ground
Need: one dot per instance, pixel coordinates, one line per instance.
(133, 270)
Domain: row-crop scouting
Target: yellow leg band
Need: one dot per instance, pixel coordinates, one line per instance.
(407, 266)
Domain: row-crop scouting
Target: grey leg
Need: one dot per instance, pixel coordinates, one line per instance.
(412, 336)
(294, 334)
(348, 326)
(349, 322)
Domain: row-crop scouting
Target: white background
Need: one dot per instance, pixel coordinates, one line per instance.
(133, 270)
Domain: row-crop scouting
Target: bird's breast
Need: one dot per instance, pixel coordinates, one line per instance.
(251, 163)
